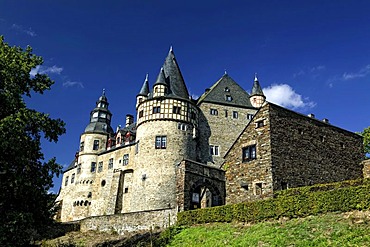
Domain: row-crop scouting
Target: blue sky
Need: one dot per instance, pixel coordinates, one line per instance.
(310, 56)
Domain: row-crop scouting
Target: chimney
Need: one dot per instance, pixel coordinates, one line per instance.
(311, 115)
(129, 119)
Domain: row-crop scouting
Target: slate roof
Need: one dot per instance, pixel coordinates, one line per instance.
(256, 89)
(161, 79)
(177, 86)
(226, 91)
(71, 165)
(144, 91)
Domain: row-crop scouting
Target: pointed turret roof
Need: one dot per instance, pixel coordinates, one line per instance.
(144, 91)
(256, 89)
(227, 92)
(173, 74)
(100, 117)
(161, 79)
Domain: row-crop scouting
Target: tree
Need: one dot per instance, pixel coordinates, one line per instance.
(366, 135)
(25, 177)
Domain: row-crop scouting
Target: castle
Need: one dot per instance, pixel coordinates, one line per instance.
(174, 157)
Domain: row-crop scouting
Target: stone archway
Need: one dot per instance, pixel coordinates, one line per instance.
(204, 193)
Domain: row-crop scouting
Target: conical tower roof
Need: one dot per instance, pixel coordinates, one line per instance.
(174, 77)
(161, 79)
(256, 89)
(144, 91)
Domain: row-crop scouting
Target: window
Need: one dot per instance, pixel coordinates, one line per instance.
(192, 115)
(110, 163)
(141, 113)
(227, 89)
(181, 126)
(126, 190)
(156, 109)
(140, 100)
(235, 114)
(260, 124)
(213, 112)
(160, 142)
(93, 167)
(225, 113)
(100, 166)
(96, 145)
(176, 109)
(249, 116)
(214, 150)
(249, 153)
(78, 168)
(228, 98)
(258, 189)
(137, 148)
(322, 138)
(73, 178)
(125, 159)
(82, 145)
(66, 181)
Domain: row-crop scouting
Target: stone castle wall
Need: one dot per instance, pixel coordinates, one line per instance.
(154, 174)
(308, 151)
(220, 130)
(130, 222)
(249, 180)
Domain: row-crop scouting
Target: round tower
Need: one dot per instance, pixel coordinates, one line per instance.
(92, 142)
(257, 97)
(167, 123)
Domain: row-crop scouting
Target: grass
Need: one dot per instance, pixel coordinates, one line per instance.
(348, 229)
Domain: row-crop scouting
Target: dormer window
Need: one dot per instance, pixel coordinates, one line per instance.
(227, 89)
(228, 98)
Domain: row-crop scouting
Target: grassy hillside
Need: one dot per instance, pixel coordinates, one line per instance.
(346, 229)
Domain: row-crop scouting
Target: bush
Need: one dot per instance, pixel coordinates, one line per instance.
(298, 202)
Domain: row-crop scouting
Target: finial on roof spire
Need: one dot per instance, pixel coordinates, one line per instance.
(171, 49)
(146, 77)
(103, 92)
(225, 73)
(255, 77)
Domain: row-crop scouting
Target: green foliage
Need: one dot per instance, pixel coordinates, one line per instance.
(297, 202)
(366, 135)
(24, 176)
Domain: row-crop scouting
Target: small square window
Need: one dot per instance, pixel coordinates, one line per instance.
(176, 110)
(100, 166)
(235, 114)
(249, 116)
(141, 113)
(260, 124)
(96, 145)
(258, 189)
(249, 153)
(93, 167)
(156, 109)
(160, 142)
(110, 163)
(73, 178)
(82, 145)
(213, 112)
(228, 98)
(78, 168)
(66, 181)
(214, 150)
(125, 159)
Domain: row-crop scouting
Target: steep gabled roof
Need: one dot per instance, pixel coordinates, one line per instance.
(226, 91)
(172, 72)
